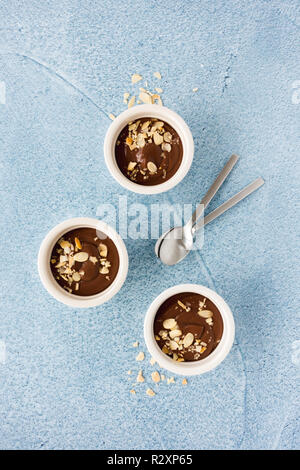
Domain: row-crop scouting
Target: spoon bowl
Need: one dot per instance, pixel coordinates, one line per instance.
(175, 244)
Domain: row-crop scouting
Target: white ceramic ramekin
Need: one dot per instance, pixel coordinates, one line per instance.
(154, 111)
(45, 271)
(195, 367)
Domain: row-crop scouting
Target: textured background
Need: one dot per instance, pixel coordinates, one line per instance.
(66, 64)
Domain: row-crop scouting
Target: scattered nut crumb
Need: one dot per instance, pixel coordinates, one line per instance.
(145, 97)
(112, 116)
(135, 345)
(136, 78)
(125, 98)
(140, 377)
(159, 90)
(184, 382)
(140, 356)
(195, 89)
(157, 75)
(129, 372)
(150, 392)
(155, 376)
(133, 392)
(152, 361)
(171, 380)
(131, 102)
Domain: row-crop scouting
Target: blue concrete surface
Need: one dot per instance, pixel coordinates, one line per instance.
(63, 372)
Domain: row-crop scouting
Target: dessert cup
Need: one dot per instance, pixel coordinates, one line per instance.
(55, 289)
(152, 111)
(202, 365)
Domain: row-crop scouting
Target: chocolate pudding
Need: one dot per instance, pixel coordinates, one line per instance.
(84, 261)
(148, 151)
(188, 327)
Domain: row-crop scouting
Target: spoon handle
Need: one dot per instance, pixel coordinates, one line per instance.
(213, 190)
(231, 202)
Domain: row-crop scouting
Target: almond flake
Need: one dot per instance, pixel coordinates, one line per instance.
(104, 270)
(167, 137)
(158, 139)
(181, 305)
(82, 256)
(77, 243)
(140, 356)
(150, 392)
(140, 141)
(157, 75)
(169, 323)
(205, 313)
(188, 340)
(145, 125)
(76, 277)
(173, 345)
(131, 102)
(64, 244)
(140, 377)
(131, 166)
(155, 376)
(174, 333)
(157, 125)
(145, 97)
(163, 333)
(166, 147)
(152, 167)
(135, 78)
(102, 250)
